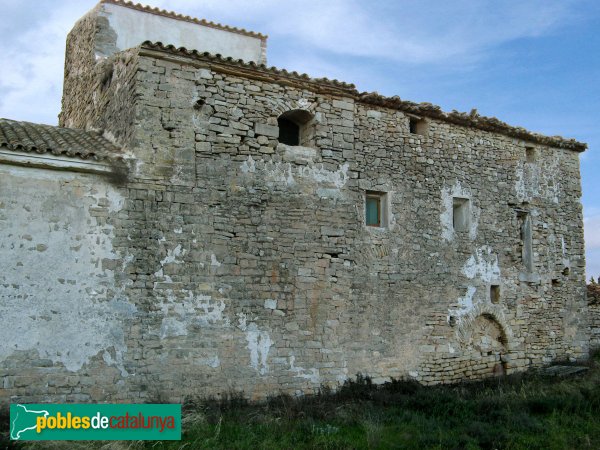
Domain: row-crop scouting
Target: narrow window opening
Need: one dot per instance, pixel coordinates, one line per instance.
(199, 104)
(375, 209)
(526, 231)
(417, 126)
(555, 282)
(495, 293)
(530, 154)
(566, 271)
(460, 214)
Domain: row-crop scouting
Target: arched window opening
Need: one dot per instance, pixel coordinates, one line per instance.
(289, 132)
(296, 128)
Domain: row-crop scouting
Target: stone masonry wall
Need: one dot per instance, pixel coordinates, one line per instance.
(98, 92)
(595, 326)
(249, 266)
(65, 313)
(593, 295)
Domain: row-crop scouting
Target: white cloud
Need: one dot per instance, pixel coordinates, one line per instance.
(411, 31)
(33, 57)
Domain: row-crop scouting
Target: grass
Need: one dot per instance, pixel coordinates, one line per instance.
(519, 412)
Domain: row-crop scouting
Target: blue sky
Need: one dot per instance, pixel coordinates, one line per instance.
(531, 63)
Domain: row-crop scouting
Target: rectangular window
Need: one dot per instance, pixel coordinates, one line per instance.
(530, 154)
(375, 209)
(495, 293)
(460, 214)
(417, 126)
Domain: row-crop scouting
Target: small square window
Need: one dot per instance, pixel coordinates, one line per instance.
(417, 126)
(530, 154)
(495, 293)
(375, 209)
(296, 127)
(460, 214)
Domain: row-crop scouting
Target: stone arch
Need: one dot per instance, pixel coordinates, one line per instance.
(280, 106)
(488, 345)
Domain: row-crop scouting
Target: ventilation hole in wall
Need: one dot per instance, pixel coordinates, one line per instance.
(333, 255)
(566, 271)
(452, 321)
(495, 293)
(555, 282)
(199, 104)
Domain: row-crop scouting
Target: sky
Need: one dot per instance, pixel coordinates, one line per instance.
(531, 63)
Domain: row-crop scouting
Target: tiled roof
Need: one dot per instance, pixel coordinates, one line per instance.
(33, 137)
(472, 119)
(250, 65)
(174, 15)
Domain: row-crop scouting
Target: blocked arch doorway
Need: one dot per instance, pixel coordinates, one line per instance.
(489, 344)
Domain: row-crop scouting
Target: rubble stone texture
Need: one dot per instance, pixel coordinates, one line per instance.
(231, 262)
(593, 293)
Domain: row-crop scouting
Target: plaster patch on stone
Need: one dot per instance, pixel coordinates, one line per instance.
(259, 344)
(329, 193)
(242, 321)
(270, 304)
(84, 315)
(297, 153)
(279, 173)
(302, 103)
(113, 199)
(286, 173)
(213, 261)
(171, 327)
(210, 361)
(465, 303)
(482, 264)
(321, 175)
(343, 376)
(172, 256)
(248, 166)
(211, 311)
(540, 179)
(128, 259)
(475, 213)
(189, 309)
(300, 372)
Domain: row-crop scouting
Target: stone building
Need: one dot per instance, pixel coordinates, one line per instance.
(200, 224)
